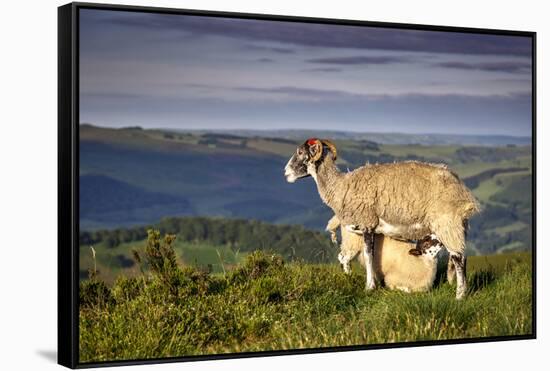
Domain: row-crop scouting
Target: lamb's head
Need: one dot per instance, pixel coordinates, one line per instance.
(428, 247)
(307, 157)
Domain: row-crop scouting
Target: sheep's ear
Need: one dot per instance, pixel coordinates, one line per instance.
(315, 149)
(415, 252)
(331, 147)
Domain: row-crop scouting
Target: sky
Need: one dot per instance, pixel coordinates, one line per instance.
(196, 72)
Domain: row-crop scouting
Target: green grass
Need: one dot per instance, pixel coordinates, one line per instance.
(498, 263)
(265, 304)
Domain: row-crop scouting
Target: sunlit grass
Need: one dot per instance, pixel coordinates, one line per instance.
(265, 304)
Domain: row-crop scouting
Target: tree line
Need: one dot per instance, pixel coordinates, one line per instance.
(291, 241)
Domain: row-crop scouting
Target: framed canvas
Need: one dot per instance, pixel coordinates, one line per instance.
(238, 185)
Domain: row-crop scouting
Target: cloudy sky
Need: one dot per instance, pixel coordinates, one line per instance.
(173, 71)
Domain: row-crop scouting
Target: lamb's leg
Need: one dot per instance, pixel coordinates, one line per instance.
(345, 262)
(451, 271)
(354, 229)
(368, 253)
(459, 262)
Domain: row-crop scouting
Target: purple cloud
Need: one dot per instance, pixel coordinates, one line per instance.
(274, 49)
(323, 69)
(322, 35)
(507, 67)
(361, 60)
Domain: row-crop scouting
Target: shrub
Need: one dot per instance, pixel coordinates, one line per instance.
(267, 290)
(256, 265)
(161, 259)
(126, 289)
(94, 293)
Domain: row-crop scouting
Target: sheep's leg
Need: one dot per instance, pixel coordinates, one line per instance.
(368, 252)
(451, 232)
(459, 262)
(451, 271)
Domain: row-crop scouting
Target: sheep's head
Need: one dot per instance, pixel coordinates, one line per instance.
(308, 155)
(429, 246)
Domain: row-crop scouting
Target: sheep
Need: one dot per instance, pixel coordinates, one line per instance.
(406, 200)
(400, 265)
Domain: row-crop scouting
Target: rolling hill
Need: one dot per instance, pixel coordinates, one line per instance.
(132, 177)
(109, 200)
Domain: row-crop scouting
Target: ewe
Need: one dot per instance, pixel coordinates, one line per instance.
(406, 200)
(400, 265)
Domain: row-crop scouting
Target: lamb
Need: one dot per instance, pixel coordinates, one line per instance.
(400, 265)
(405, 200)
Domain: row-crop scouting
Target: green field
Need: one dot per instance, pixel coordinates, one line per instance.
(264, 303)
(110, 262)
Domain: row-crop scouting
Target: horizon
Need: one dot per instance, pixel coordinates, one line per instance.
(231, 73)
(144, 127)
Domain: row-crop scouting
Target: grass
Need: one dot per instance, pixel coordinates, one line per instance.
(265, 304)
(498, 263)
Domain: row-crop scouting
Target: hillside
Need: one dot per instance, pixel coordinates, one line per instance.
(236, 176)
(111, 200)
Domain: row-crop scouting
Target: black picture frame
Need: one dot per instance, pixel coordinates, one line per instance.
(68, 180)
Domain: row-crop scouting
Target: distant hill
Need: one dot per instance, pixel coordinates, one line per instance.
(204, 176)
(111, 200)
(382, 138)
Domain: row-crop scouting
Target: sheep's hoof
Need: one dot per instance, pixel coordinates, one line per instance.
(460, 295)
(371, 286)
(451, 273)
(451, 278)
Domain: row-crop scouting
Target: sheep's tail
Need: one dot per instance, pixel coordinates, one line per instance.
(470, 208)
(470, 205)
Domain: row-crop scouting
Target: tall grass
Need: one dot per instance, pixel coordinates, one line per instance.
(265, 304)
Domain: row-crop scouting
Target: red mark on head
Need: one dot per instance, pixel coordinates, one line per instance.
(311, 141)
